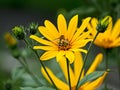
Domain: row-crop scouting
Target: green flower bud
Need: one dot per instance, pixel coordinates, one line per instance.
(33, 28)
(103, 24)
(19, 33)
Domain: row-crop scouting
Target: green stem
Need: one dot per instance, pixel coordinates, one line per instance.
(106, 60)
(106, 67)
(85, 59)
(25, 62)
(45, 69)
(68, 73)
(118, 61)
(41, 63)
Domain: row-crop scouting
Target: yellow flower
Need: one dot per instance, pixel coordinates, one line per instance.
(10, 40)
(110, 38)
(75, 72)
(64, 40)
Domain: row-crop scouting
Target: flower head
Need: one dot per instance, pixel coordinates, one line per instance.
(10, 40)
(64, 40)
(110, 38)
(75, 72)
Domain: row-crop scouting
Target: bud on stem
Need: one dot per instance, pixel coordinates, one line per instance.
(103, 24)
(19, 33)
(33, 28)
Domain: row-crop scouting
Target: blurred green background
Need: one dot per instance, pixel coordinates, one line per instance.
(23, 12)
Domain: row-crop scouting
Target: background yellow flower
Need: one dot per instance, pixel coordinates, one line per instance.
(10, 40)
(110, 38)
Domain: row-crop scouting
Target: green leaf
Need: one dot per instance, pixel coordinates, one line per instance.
(17, 73)
(39, 88)
(91, 77)
(28, 80)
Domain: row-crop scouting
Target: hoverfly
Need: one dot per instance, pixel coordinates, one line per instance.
(63, 44)
(62, 41)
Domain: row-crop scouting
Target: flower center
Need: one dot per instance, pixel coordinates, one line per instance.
(63, 44)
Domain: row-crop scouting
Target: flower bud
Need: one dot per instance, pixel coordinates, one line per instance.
(103, 24)
(10, 40)
(16, 53)
(19, 33)
(33, 28)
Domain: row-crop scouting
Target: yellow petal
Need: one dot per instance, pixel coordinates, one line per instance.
(60, 55)
(81, 28)
(52, 29)
(108, 31)
(45, 32)
(92, 27)
(59, 84)
(78, 64)
(95, 84)
(94, 23)
(116, 30)
(63, 66)
(93, 31)
(99, 39)
(96, 62)
(84, 35)
(116, 43)
(48, 55)
(89, 27)
(81, 50)
(45, 47)
(62, 25)
(40, 40)
(109, 28)
(80, 43)
(72, 27)
(70, 56)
